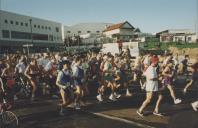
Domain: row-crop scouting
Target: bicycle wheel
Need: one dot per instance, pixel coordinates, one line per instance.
(9, 119)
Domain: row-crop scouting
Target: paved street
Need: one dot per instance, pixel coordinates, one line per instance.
(43, 113)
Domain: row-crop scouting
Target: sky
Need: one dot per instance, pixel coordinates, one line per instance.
(149, 15)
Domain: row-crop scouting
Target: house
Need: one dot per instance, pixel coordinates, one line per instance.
(124, 31)
(177, 35)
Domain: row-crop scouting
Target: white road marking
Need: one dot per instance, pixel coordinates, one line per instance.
(123, 120)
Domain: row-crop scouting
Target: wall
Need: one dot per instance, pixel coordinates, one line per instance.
(21, 23)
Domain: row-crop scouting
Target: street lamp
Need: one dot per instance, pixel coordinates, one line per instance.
(30, 45)
(31, 30)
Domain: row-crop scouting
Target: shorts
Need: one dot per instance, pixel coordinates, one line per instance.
(151, 87)
(69, 92)
(78, 82)
(168, 81)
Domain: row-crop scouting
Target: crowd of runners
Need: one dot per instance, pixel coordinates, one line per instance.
(70, 76)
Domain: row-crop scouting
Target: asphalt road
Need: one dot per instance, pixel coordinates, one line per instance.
(44, 113)
(72, 119)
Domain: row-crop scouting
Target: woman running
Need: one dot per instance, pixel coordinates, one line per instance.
(168, 74)
(32, 72)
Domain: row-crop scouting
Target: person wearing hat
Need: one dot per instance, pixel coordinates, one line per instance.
(63, 81)
(151, 89)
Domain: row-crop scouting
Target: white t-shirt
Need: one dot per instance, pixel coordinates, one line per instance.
(147, 60)
(48, 66)
(21, 67)
(150, 73)
(43, 62)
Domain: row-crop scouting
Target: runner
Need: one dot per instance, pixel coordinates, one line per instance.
(151, 89)
(78, 75)
(63, 81)
(193, 81)
(8, 76)
(125, 75)
(50, 71)
(168, 74)
(108, 77)
(32, 72)
(102, 82)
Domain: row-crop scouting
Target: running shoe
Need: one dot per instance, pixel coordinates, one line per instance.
(177, 101)
(99, 98)
(157, 113)
(185, 91)
(112, 97)
(129, 94)
(194, 106)
(77, 106)
(117, 96)
(55, 96)
(139, 113)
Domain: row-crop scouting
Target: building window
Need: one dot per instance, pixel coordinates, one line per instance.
(40, 37)
(17, 23)
(189, 38)
(49, 28)
(26, 24)
(97, 31)
(11, 22)
(46, 27)
(51, 38)
(21, 23)
(39, 26)
(79, 31)
(6, 21)
(42, 27)
(20, 35)
(88, 31)
(35, 26)
(57, 29)
(5, 34)
(68, 31)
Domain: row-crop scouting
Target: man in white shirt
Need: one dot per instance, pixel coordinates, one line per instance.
(20, 67)
(151, 89)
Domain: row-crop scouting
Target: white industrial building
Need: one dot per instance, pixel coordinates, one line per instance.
(85, 29)
(18, 30)
(177, 35)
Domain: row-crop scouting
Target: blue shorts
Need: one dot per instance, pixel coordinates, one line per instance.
(78, 82)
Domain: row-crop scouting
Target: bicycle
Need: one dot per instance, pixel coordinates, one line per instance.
(7, 118)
